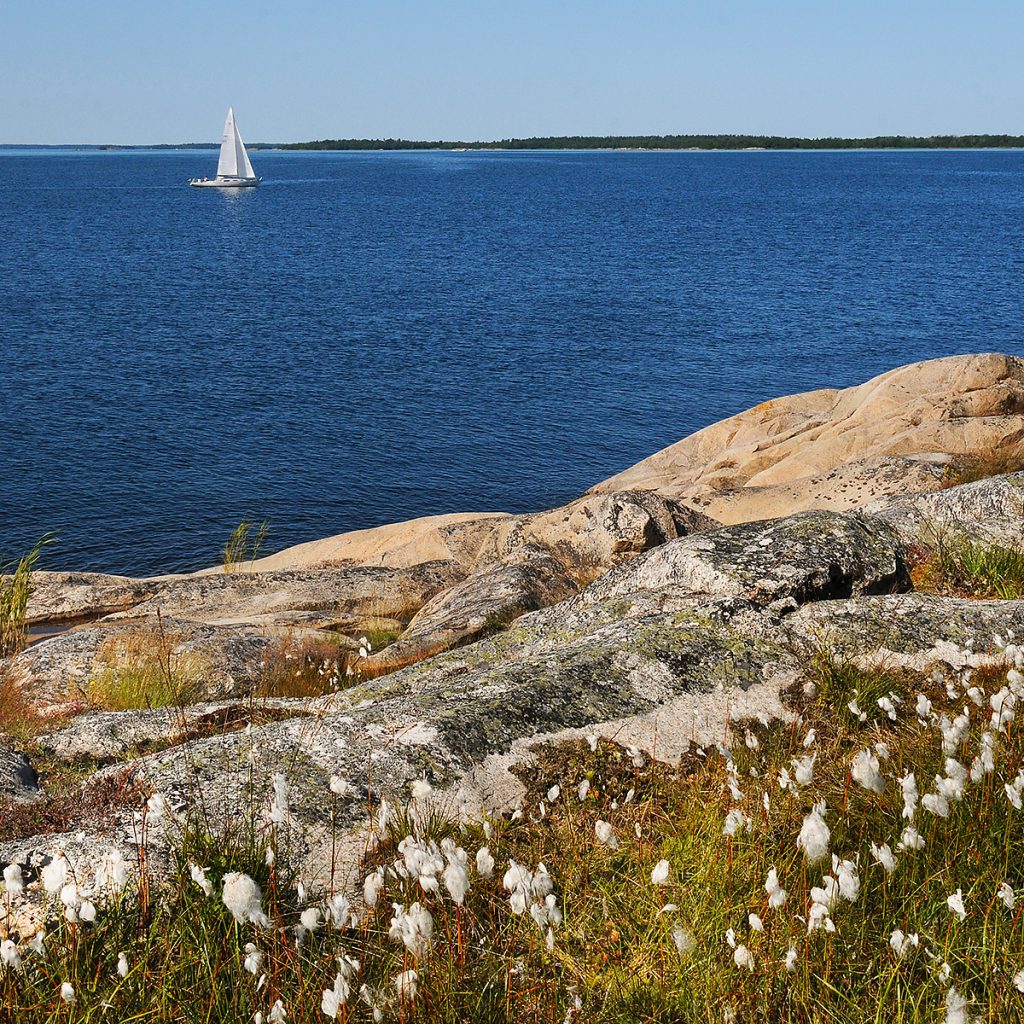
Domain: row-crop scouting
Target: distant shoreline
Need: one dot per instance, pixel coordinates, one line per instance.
(588, 143)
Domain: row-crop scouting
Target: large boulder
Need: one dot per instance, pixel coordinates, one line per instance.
(485, 602)
(837, 450)
(806, 557)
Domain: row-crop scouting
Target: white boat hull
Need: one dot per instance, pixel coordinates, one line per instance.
(224, 182)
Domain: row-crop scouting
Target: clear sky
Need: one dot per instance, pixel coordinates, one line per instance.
(144, 72)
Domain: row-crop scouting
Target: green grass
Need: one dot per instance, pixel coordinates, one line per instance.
(15, 587)
(142, 669)
(614, 952)
(960, 567)
(244, 544)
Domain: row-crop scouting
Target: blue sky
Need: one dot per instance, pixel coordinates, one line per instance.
(141, 72)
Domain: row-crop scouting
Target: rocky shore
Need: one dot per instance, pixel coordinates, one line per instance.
(672, 601)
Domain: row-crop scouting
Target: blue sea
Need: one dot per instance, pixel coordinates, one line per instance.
(373, 336)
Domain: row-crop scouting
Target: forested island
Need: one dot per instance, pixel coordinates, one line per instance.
(684, 142)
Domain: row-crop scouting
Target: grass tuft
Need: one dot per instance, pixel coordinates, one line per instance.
(959, 567)
(15, 587)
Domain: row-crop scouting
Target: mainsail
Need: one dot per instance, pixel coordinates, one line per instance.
(234, 161)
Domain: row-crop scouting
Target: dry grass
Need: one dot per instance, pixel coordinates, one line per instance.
(968, 469)
(301, 667)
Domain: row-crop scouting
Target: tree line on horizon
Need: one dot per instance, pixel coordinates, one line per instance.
(735, 142)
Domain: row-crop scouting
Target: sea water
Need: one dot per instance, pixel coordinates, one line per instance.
(369, 337)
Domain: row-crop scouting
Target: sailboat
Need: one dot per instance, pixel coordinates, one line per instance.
(233, 167)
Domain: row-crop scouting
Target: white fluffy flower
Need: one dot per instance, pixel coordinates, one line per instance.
(372, 885)
(790, 961)
(866, 772)
(908, 784)
(55, 874)
(684, 940)
(1006, 894)
(901, 943)
(484, 862)
(253, 959)
(405, 985)
(884, 856)
(803, 769)
(421, 789)
(735, 821)
(956, 1008)
(13, 879)
(814, 835)
(456, 880)
(755, 922)
(911, 839)
(743, 957)
(605, 834)
(9, 955)
(122, 965)
(242, 897)
(776, 894)
(956, 904)
(67, 993)
(199, 877)
(339, 787)
(659, 876)
(277, 1015)
(413, 927)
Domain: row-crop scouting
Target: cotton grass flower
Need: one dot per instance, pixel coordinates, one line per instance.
(122, 965)
(659, 876)
(884, 856)
(277, 1015)
(253, 959)
(242, 896)
(956, 1008)
(55, 874)
(9, 955)
(1006, 894)
(484, 862)
(405, 985)
(865, 772)
(684, 940)
(67, 993)
(743, 957)
(790, 961)
(199, 877)
(776, 894)
(911, 839)
(814, 835)
(13, 880)
(956, 904)
(901, 943)
(605, 834)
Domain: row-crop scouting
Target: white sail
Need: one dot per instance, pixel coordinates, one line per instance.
(227, 165)
(234, 161)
